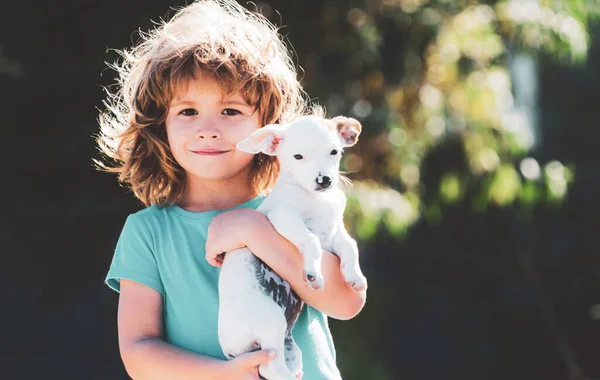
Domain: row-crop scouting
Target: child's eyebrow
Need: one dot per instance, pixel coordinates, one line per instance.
(182, 102)
(235, 103)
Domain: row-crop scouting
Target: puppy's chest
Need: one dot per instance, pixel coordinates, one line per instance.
(322, 219)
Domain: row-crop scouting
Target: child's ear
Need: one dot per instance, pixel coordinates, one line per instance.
(266, 139)
(348, 129)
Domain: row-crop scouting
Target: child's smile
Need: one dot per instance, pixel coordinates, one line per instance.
(210, 152)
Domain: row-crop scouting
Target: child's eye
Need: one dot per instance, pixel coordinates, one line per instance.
(189, 112)
(298, 156)
(230, 112)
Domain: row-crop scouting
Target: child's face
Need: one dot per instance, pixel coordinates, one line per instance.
(203, 127)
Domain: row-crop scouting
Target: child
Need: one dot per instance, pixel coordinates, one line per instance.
(189, 92)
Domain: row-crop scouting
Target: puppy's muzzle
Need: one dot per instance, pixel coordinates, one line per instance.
(323, 182)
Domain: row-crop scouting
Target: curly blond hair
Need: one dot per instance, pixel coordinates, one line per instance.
(217, 39)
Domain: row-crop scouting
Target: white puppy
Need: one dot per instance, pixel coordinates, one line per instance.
(257, 308)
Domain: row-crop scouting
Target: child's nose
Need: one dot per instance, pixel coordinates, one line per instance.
(209, 135)
(208, 132)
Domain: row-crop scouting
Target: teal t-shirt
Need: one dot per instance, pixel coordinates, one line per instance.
(164, 248)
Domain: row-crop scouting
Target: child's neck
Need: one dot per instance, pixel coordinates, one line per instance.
(201, 195)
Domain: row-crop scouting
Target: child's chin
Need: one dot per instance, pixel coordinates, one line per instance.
(212, 176)
(216, 175)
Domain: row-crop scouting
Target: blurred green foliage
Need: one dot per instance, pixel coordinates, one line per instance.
(421, 74)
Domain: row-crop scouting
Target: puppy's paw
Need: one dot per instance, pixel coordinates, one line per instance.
(354, 277)
(358, 283)
(314, 280)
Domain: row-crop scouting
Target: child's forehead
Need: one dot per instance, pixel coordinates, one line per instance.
(204, 87)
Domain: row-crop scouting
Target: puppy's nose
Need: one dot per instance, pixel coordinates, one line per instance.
(324, 182)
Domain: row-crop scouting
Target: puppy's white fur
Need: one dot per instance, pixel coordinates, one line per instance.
(257, 308)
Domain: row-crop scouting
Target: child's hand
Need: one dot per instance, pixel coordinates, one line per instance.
(231, 230)
(245, 367)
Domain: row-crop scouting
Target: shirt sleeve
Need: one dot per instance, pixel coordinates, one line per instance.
(134, 257)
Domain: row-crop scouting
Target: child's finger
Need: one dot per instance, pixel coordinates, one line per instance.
(215, 260)
(212, 260)
(253, 359)
(211, 257)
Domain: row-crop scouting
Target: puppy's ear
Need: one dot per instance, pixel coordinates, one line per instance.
(266, 139)
(348, 129)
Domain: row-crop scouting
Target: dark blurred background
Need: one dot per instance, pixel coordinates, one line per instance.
(475, 182)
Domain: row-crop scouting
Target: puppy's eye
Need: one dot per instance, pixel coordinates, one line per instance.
(298, 156)
(334, 152)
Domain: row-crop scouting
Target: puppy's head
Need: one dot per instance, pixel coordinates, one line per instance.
(309, 148)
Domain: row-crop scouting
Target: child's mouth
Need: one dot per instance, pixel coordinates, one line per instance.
(209, 152)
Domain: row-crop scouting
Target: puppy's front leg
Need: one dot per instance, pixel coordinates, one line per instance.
(292, 227)
(347, 250)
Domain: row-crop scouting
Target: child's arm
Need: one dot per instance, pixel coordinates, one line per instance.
(147, 356)
(256, 232)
